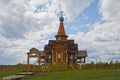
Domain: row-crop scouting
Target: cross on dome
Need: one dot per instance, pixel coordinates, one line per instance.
(61, 13)
(61, 18)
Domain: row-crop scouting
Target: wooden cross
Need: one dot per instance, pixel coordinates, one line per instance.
(61, 13)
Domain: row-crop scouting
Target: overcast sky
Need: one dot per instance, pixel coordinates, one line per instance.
(93, 24)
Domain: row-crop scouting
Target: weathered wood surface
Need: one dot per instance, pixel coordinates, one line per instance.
(26, 73)
(13, 77)
(18, 76)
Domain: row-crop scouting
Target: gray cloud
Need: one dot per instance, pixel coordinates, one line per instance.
(103, 39)
(22, 28)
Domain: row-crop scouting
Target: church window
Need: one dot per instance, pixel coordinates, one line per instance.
(49, 56)
(71, 57)
(59, 55)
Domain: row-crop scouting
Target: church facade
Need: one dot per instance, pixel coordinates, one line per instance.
(60, 50)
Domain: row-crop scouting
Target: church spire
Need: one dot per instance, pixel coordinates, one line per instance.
(61, 18)
(61, 31)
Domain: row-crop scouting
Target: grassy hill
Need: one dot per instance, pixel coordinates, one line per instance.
(77, 75)
(91, 71)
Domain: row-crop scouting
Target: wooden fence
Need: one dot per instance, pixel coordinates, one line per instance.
(50, 67)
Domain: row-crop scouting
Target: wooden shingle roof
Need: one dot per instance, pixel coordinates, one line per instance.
(82, 53)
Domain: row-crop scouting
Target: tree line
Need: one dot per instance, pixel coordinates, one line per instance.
(102, 65)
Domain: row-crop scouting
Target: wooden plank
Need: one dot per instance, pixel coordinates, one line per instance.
(25, 73)
(13, 77)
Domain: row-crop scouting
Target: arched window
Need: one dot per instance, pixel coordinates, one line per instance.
(71, 57)
(59, 55)
(49, 56)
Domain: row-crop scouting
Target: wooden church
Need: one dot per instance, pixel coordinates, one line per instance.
(60, 50)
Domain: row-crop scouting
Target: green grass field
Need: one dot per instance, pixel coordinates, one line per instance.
(88, 72)
(7, 73)
(77, 75)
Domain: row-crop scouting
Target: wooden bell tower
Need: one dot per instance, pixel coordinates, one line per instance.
(60, 46)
